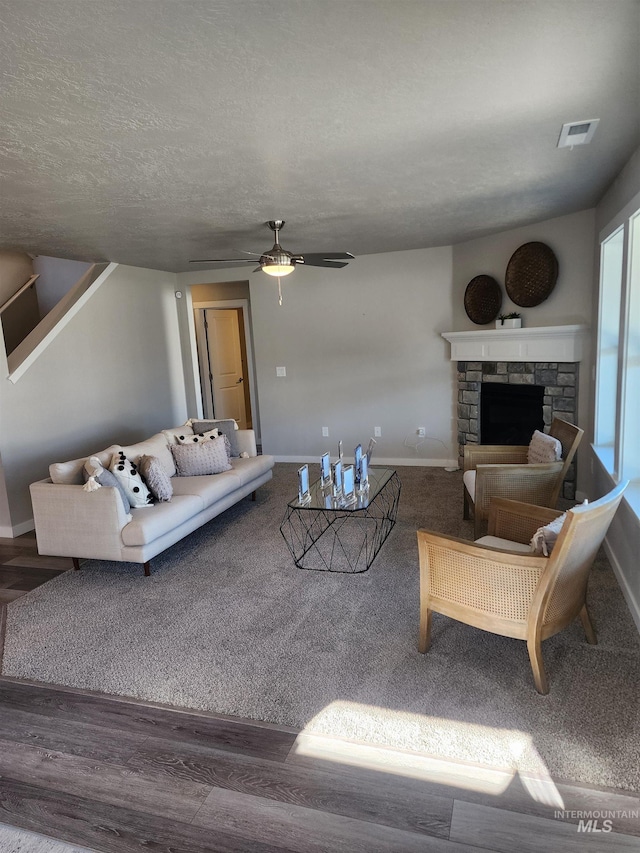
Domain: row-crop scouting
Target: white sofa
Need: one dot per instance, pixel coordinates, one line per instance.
(72, 522)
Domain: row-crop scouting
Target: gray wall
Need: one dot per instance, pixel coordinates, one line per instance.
(112, 375)
(362, 348)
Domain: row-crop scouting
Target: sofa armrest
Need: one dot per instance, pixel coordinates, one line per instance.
(247, 441)
(70, 522)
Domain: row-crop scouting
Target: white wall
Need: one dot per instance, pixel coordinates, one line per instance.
(572, 239)
(113, 375)
(57, 277)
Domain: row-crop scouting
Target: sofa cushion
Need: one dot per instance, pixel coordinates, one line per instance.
(70, 473)
(543, 448)
(156, 478)
(131, 481)
(157, 445)
(226, 427)
(249, 469)
(201, 459)
(94, 468)
(208, 489)
(150, 523)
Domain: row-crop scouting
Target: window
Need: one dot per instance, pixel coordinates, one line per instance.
(617, 405)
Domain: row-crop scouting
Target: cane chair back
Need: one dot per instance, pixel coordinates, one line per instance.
(502, 471)
(520, 595)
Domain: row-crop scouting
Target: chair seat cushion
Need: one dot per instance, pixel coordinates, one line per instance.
(504, 544)
(469, 480)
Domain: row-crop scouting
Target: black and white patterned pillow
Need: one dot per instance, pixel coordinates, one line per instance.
(197, 439)
(128, 475)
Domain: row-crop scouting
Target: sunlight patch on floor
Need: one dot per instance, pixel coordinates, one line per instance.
(434, 749)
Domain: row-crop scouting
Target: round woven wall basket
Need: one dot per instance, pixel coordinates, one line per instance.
(531, 274)
(482, 299)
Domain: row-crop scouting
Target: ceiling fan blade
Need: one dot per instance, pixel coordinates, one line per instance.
(224, 261)
(328, 256)
(320, 262)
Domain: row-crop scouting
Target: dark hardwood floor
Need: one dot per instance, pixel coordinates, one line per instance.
(121, 776)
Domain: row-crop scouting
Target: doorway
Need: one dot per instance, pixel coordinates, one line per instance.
(225, 360)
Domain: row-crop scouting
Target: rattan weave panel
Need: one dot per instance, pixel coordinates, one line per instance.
(531, 274)
(482, 299)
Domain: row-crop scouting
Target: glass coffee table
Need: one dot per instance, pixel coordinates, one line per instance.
(327, 535)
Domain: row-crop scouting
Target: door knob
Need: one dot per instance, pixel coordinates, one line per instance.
(240, 380)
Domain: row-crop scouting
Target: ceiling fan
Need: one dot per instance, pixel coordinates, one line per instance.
(278, 262)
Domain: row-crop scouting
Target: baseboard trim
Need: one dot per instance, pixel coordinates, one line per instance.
(627, 592)
(416, 463)
(17, 529)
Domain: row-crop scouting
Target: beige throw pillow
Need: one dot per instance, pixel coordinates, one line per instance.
(544, 538)
(543, 448)
(195, 460)
(156, 478)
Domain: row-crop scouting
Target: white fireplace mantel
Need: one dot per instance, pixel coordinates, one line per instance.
(541, 343)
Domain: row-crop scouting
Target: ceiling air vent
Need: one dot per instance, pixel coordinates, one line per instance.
(577, 133)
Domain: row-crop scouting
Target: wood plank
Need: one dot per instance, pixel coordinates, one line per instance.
(69, 736)
(101, 781)
(207, 730)
(403, 804)
(111, 829)
(460, 781)
(26, 540)
(35, 561)
(309, 831)
(8, 595)
(506, 831)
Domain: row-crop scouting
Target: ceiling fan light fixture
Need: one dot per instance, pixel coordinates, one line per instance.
(277, 269)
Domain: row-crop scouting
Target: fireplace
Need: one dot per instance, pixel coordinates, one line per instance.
(509, 414)
(554, 385)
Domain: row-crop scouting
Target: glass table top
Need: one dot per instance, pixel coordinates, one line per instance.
(323, 498)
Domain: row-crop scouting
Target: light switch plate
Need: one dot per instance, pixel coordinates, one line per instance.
(281, 371)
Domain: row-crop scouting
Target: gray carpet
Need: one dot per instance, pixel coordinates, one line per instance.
(14, 840)
(226, 623)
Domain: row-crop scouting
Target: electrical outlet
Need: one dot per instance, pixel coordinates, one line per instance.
(325, 432)
(377, 431)
(281, 371)
(421, 432)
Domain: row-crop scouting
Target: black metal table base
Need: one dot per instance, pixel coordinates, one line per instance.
(341, 540)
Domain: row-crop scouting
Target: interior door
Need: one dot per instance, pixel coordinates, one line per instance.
(225, 358)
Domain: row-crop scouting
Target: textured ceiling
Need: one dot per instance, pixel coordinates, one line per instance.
(150, 132)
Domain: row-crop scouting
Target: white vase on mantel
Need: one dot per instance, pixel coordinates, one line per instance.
(511, 323)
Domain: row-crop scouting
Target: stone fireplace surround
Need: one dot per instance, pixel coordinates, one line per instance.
(560, 382)
(546, 356)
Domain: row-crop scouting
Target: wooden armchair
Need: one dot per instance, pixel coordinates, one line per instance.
(515, 593)
(495, 470)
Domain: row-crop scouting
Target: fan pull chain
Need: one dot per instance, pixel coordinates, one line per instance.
(279, 292)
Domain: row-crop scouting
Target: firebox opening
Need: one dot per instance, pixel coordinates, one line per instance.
(509, 414)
